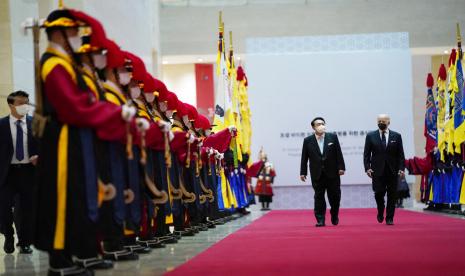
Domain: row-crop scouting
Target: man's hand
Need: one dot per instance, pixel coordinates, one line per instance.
(164, 126)
(33, 159)
(303, 178)
(142, 124)
(128, 112)
(341, 172)
(401, 173)
(369, 173)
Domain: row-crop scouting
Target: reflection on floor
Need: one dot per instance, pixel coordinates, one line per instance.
(155, 263)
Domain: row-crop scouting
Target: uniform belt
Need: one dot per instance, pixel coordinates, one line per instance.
(19, 166)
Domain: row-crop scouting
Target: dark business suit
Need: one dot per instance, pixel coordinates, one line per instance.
(16, 181)
(324, 172)
(385, 161)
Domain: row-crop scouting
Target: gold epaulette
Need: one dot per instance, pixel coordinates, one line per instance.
(53, 62)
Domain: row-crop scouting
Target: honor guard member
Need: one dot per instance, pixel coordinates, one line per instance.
(67, 198)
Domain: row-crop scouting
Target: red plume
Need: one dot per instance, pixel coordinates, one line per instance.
(442, 72)
(115, 57)
(98, 36)
(149, 84)
(138, 67)
(452, 57)
(172, 101)
(240, 73)
(429, 80)
(192, 112)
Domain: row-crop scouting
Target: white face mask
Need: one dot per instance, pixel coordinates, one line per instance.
(100, 61)
(75, 42)
(135, 92)
(169, 113)
(186, 121)
(321, 129)
(124, 78)
(149, 97)
(163, 106)
(22, 110)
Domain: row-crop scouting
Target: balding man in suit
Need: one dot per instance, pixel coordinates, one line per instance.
(384, 162)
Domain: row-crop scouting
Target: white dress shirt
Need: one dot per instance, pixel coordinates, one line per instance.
(386, 132)
(13, 138)
(321, 141)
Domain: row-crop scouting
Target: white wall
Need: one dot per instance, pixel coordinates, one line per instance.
(180, 79)
(22, 46)
(193, 28)
(133, 25)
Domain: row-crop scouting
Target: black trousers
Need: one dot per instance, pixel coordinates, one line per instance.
(19, 184)
(333, 186)
(382, 184)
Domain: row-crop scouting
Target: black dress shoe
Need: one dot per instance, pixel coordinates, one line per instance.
(139, 249)
(70, 271)
(380, 218)
(26, 249)
(9, 244)
(95, 263)
(335, 220)
(121, 255)
(389, 222)
(320, 224)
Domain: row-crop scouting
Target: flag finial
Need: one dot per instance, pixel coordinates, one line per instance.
(459, 37)
(61, 4)
(220, 21)
(230, 40)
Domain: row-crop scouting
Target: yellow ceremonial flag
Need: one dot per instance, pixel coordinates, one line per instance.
(222, 84)
(449, 127)
(441, 87)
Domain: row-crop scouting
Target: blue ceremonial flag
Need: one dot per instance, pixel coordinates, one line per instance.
(431, 114)
(459, 112)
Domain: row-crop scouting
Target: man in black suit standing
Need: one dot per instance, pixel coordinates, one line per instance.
(19, 155)
(326, 166)
(384, 163)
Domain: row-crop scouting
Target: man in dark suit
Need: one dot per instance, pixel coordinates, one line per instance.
(384, 163)
(326, 166)
(19, 155)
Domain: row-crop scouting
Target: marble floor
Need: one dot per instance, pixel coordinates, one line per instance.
(156, 263)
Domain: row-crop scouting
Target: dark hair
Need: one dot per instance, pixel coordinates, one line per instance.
(19, 93)
(317, 118)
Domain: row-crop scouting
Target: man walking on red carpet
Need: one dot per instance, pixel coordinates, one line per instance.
(384, 162)
(326, 166)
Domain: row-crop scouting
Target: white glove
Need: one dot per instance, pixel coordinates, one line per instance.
(164, 126)
(243, 170)
(232, 129)
(128, 112)
(170, 135)
(210, 151)
(142, 124)
(236, 171)
(200, 144)
(191, 139)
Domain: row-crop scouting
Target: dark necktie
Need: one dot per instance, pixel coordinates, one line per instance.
(19, 141)
(383, 139)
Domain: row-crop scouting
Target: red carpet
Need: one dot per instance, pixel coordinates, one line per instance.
(287, 243)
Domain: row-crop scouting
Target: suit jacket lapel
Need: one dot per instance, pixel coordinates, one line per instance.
(29, 134)
(315, 143)
(8, 128)
(389, 139)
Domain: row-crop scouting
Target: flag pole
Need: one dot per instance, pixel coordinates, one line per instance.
(459, 42)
